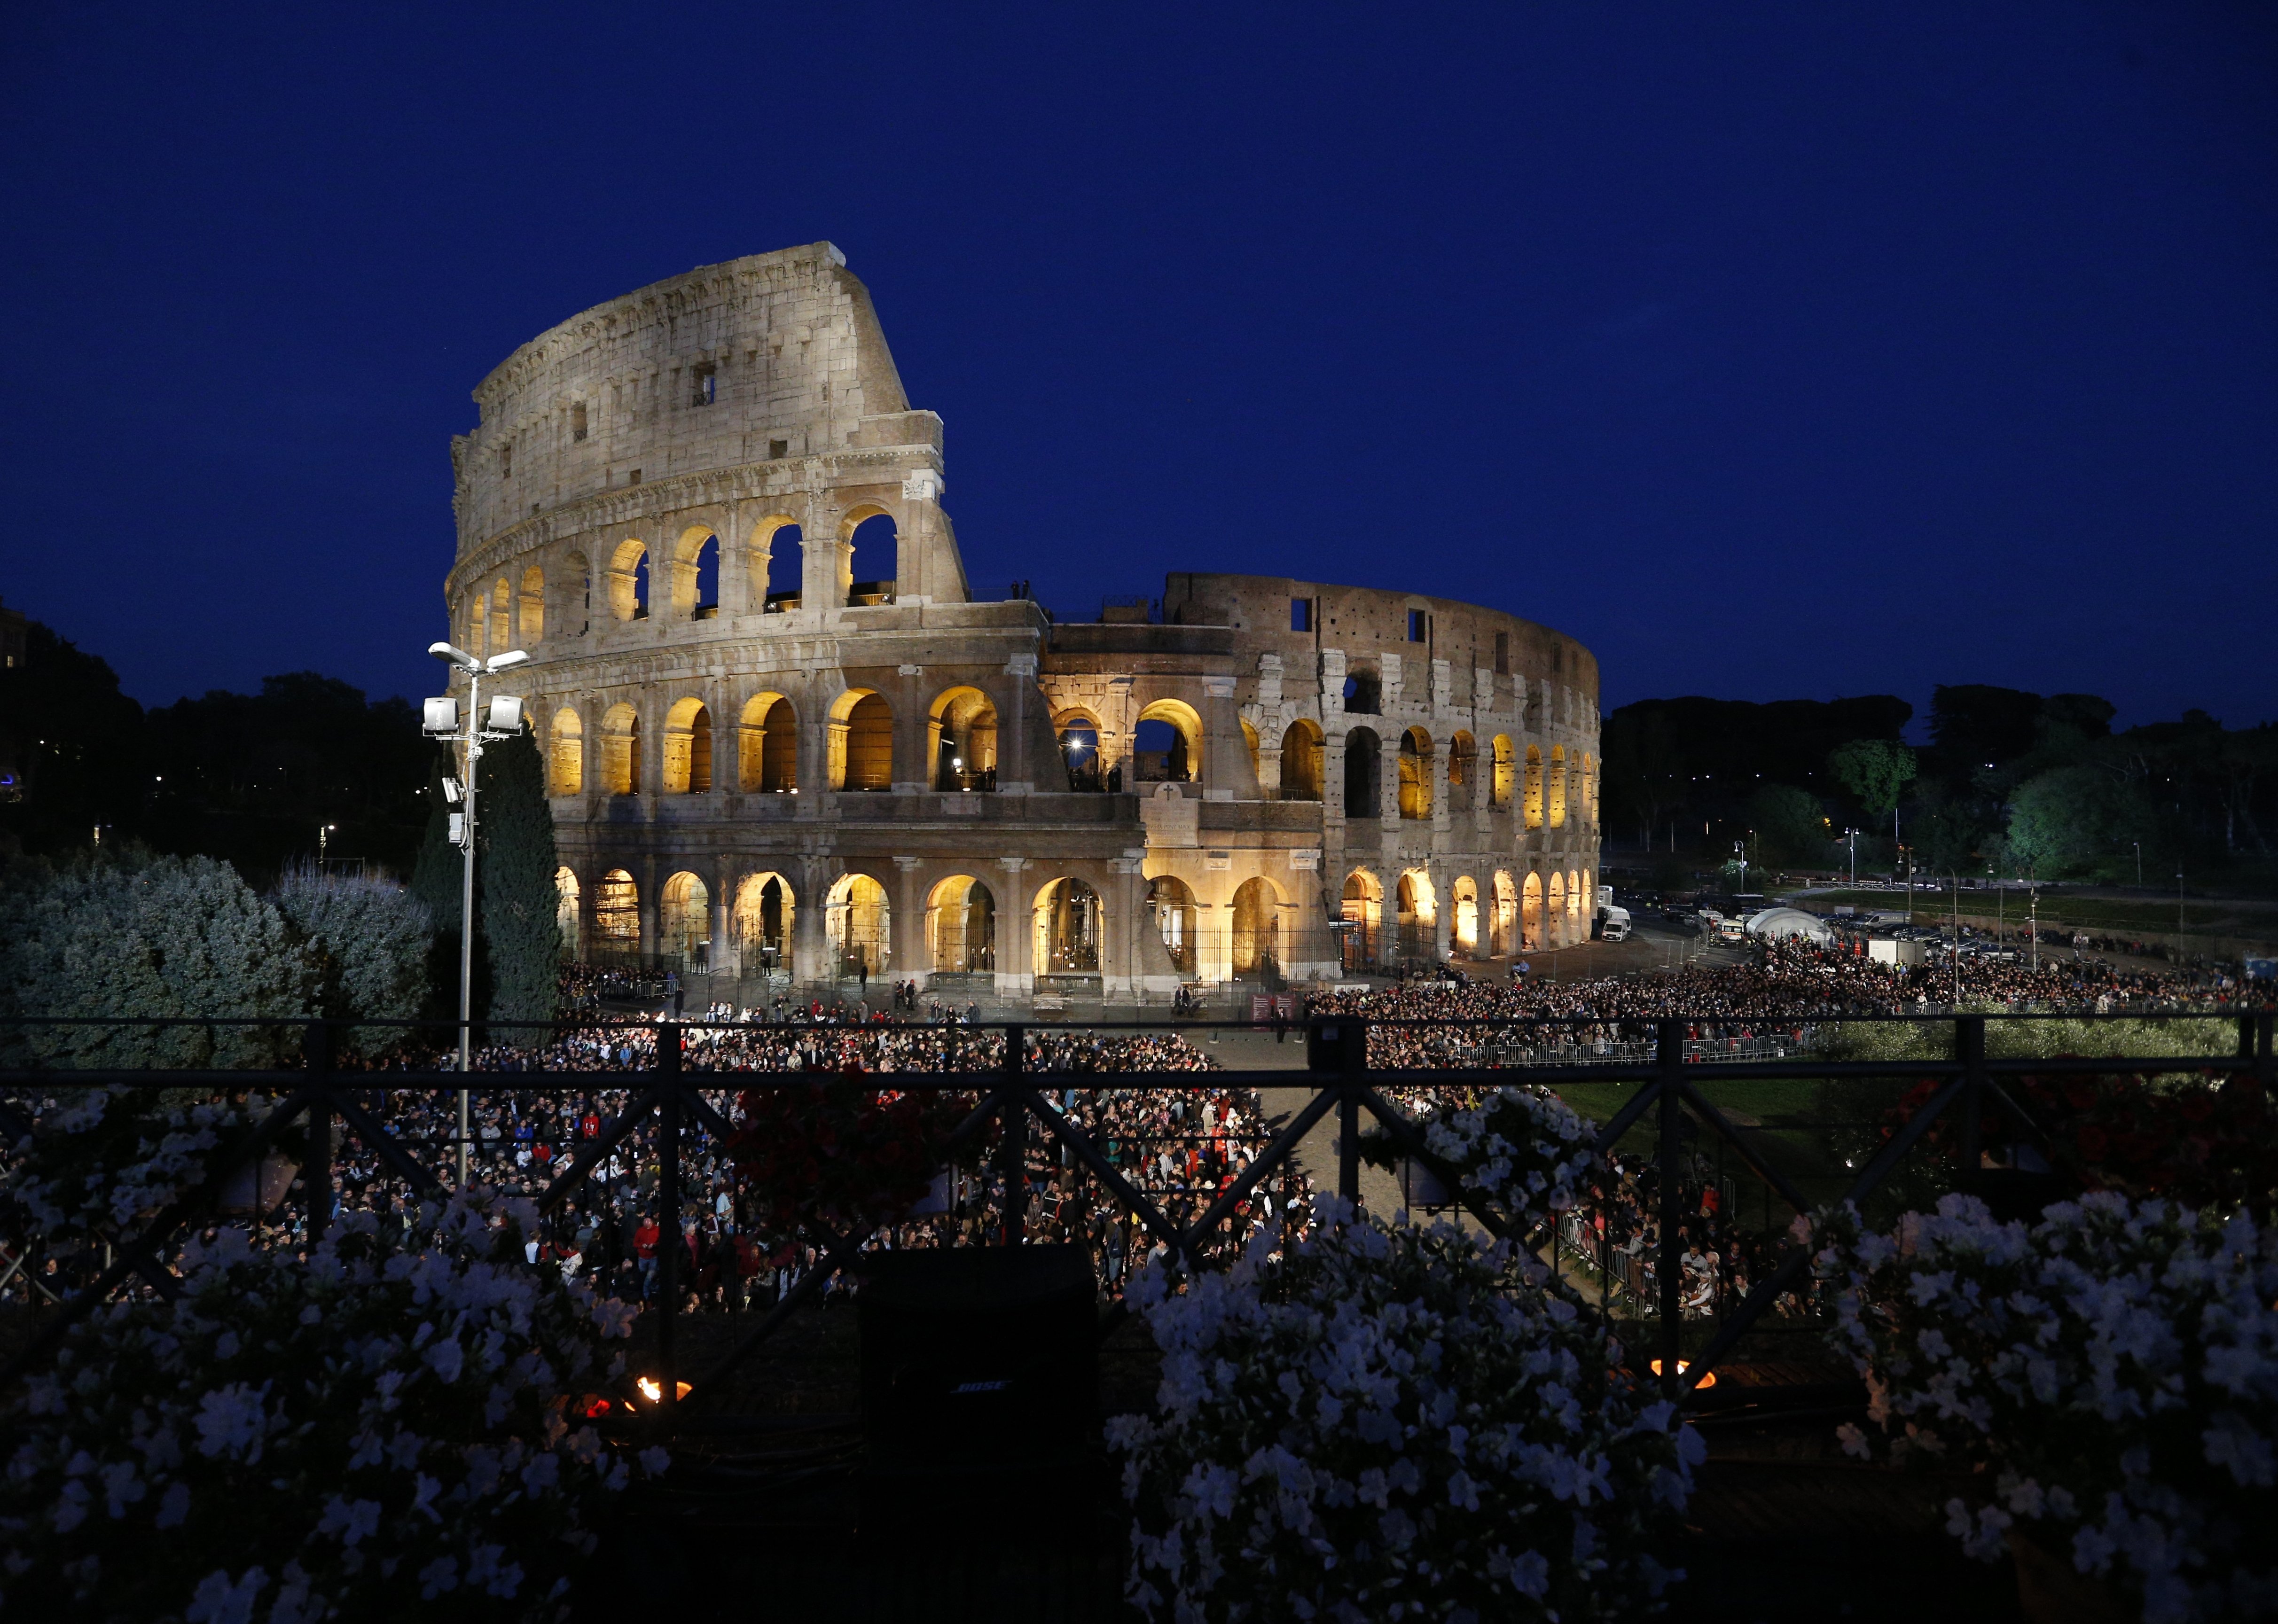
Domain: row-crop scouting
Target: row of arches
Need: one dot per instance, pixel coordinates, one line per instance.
(1545, 784)
(859, 754)
(959, 929)
(1515, 916)
(501, 616)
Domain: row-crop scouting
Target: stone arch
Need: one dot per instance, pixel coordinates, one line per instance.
(565, 753)
(772, 555)
(616, 913)
(1416, 774)
(1464, 898)
(628, 579)
(1069, 924)
(1416, 911)
(1573, 895)
(1303, 754)
(1506, 769)
(961, 927)
(1256, 939)
(1249, 743)
(1077, 731)
(565, 910)
(1463, 770)
(861, 753)
(479, 625)
(502, 614)
(1535, 785)
(767, 746)
(873, 554)
(1173, 903)
(684, 920)
(1362, 912)
(530, 614)
(1364, 692)
(1502, 939)
(765, 907)
(961, 740)
(1362, 766)
(1557, 797)
(1530, 918)
(1553, 908)
(620, 750)
(696, 574)
(688, 748)
(1183, 762)
(858, 923)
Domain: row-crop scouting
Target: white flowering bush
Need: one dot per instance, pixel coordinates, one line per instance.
(372, 1432)
(104, 1159)
(1391, 1421)
(2111, 1372)
(1524, 1149)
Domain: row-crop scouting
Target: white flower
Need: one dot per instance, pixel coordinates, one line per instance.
(220, 1600)
(232, 1420)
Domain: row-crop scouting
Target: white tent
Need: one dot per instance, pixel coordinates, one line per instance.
(1779, 924)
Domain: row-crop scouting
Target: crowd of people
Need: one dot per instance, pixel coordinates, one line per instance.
(1181, 1146)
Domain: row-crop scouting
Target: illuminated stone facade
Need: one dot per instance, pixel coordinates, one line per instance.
(864, 767)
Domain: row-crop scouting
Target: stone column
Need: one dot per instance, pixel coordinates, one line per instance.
(646, 867)
(912, 769)
(1016, 774)
(1015, 932)
(1226, 758)
(724, 961)
(810, 947)
(911, 961)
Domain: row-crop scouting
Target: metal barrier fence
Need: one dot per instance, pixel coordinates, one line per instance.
(1967, 1082)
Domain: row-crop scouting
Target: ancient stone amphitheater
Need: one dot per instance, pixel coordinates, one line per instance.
(786, 739)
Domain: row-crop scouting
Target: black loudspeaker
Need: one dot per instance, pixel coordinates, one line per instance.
(979, 1359)
(1327, 1040)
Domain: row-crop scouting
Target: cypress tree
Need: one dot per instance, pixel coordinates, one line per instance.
(520, 902)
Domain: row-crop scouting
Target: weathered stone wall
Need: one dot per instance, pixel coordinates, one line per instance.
(703, 742)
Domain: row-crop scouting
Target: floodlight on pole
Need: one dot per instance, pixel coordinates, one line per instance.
(469, 730)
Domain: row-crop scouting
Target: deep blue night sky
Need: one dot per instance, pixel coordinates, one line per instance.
(1773, 351)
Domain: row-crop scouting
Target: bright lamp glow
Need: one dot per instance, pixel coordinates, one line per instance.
(512, 657)
(456, 656)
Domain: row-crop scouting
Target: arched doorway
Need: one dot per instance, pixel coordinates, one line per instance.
(764, 910)
(963, 734)
(1364, 919)
(1257, 941)
(1302, 752)
(1172, 902)
(1504, 942)
(1079, 741)
(617, 916)
(1464, 894)
(961, 927)
(566, 759)
(620, 750)
(688, 748)
(859, 926)
(1418, 911)
(767, 748)
(1166, 744)
(1555, 911)
(685, 923)
(1361, 799)
(1463, 772)
(1068, 929)
(1530, 929)
(861, 741)
(1416, 774)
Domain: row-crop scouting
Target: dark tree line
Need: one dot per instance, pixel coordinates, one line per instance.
(246, 778)
(2011, 781)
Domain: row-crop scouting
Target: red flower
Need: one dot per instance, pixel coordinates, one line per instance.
(2196, 1106)
(2091, 1139)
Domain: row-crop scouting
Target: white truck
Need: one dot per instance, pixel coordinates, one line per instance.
(1613, 922)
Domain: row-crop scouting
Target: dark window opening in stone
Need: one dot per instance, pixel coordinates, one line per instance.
(577, 420)
(703, 385)
(777, 450)
(1503, 653)
(1301, 614)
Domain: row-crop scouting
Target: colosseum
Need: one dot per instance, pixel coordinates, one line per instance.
(786, 739)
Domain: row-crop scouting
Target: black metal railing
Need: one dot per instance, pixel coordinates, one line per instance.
(1674, 1076)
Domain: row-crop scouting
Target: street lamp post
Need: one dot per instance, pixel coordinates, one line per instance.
(323, 831)
(443, 721)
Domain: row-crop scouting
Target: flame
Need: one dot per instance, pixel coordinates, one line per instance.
(1683, 1365)
(651, 1390)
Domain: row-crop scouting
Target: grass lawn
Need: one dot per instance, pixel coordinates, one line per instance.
(2098, 915)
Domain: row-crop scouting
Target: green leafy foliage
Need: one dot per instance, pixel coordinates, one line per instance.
(133, 936)
(1877, 771)
(521, 904)
(373, 938)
